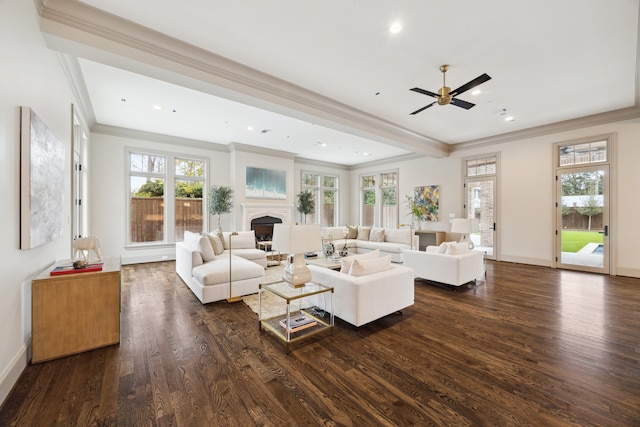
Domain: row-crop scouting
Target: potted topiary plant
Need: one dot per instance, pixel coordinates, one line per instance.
(220, 201)
(306, 204)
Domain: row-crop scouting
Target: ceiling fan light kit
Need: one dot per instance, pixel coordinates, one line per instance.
(445, 96)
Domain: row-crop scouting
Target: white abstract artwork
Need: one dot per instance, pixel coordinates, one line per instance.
(42, 164)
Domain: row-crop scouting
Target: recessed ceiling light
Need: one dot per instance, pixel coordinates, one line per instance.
(249, 127)
(366, 154)
(157, 107)
(476, 92)
(395, 28)
(509, 119)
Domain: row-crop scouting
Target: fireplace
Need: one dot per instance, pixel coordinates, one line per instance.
(281, 211)
(263, 227)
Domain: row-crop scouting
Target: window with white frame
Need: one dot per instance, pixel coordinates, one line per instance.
(164, 201)
(379, 199)
(325, 189)
(584, 153)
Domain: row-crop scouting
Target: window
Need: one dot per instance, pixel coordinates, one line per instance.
(580, 154)
(389, 189)
(479, 167)
(189, 183)
(164, 202)
(325, 192)
(379, 203)
(367, 215)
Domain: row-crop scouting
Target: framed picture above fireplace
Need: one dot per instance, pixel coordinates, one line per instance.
(265, 184)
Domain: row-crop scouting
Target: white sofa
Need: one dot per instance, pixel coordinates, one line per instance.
(390, 241)
(362, 299)
(206, 271)
(450, 263)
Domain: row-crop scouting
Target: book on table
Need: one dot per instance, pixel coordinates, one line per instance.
(68, 269)
(298, 322)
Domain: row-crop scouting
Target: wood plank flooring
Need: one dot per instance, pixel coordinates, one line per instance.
(530, 346)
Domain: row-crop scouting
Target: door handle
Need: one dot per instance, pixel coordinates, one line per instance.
(606, 230)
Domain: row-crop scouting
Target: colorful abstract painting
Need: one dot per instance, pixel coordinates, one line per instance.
(429, 197)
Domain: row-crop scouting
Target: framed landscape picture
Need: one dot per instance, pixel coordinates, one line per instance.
(42, 182)
(265, 184)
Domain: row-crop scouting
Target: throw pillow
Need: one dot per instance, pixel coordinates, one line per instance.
(216, 243)
(363, 233)
(376, 234)
(218, 232)
(457, 248)
(443, 247)
(205, 248)
(348, 260)
(244, 240)
(362, 267)
(352, 232)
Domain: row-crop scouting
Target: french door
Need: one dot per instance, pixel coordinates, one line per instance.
(480, 203)
(582, 218)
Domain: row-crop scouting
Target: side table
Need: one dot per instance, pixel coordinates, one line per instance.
(295, 305)
(76, 312)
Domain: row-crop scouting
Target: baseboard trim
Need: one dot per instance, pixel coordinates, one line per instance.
(11, 374)
(526, 260)
(628, 272)
(141, 259)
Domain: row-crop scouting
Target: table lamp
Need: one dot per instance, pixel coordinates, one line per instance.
(465, 226)
(296, 239)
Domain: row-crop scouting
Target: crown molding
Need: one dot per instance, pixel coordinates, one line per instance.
(157, 137)
(245, 148)
(73, 72)
(75, 27)
(564, 126)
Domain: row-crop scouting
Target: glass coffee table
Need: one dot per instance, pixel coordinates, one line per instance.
(301, 319)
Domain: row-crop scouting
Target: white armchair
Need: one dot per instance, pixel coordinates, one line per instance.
(454, 269)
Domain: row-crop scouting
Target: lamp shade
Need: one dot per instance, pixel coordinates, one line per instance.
(464, 225)
(296, 238)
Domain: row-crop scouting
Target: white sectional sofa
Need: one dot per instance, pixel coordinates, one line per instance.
(390, 241)
(360, 299)
(450, 263)
(202, 261)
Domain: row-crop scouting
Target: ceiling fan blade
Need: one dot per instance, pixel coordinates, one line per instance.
(462, 104)
(424, 92)
(473, 83)
(422, 109)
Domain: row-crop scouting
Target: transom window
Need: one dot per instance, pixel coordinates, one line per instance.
(584, 153)
(483, 166)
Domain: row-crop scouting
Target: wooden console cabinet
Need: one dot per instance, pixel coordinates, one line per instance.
(72, 313)
(429, 238)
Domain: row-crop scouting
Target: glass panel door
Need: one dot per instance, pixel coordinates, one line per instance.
(480, 204)
(583, 216)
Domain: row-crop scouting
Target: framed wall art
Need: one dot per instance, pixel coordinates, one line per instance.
(42, 182)
(265, 184)
(429, 197)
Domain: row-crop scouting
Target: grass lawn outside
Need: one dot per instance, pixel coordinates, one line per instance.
(573, 241)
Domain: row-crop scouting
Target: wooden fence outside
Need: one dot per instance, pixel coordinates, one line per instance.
(147, 218)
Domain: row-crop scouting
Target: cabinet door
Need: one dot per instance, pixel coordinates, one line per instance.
(74, 313)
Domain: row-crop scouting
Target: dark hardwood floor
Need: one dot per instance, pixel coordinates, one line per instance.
(530, 346)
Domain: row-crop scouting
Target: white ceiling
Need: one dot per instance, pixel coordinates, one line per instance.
(344, 78)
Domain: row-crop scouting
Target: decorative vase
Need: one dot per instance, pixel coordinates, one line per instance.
(344, 251)
(329, 249)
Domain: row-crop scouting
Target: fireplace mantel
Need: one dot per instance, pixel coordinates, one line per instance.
(255, 210)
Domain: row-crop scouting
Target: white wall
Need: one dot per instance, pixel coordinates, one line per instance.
(525, 210)
(31, 76)
(108, 191)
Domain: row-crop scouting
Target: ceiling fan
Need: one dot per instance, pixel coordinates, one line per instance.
(446, 96)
